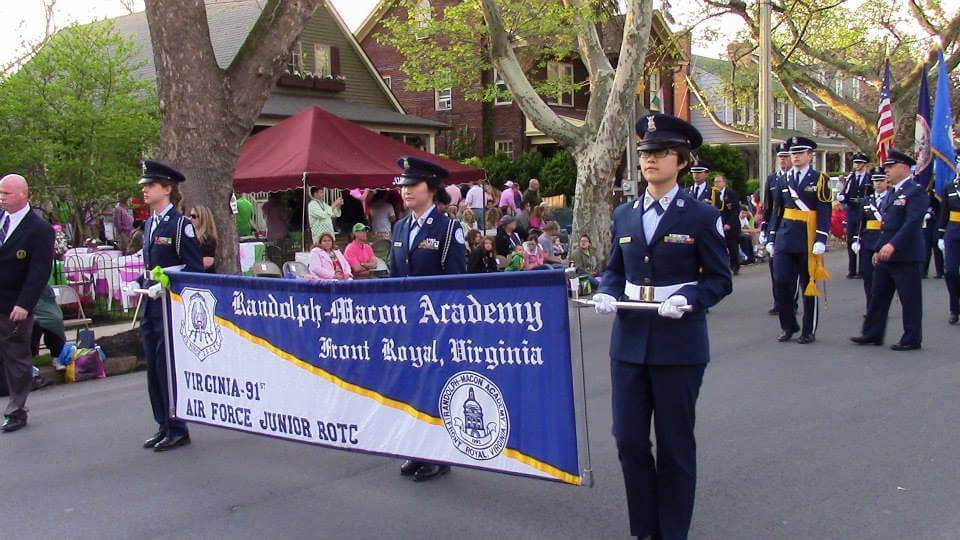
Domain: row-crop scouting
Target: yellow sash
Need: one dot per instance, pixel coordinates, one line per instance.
(815, 266)
(873, 225)
(955, 216)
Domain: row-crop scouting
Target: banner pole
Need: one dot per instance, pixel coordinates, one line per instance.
(303, 218)
(164, 302)
(579, 380)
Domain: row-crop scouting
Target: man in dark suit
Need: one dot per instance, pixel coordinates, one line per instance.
(727, 202)
(897, 261)
(426, 243)
(668, 246)
(26, 256)
(856, 185)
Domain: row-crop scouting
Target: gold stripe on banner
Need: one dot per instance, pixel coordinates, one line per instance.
(380, 398)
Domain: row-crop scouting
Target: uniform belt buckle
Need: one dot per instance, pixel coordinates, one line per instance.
(647, 293)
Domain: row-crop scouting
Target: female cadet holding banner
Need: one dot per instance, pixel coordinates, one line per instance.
(169, 240)
(668, 242)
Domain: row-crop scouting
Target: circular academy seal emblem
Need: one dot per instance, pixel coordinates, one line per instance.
(199, 328)
(475, 415)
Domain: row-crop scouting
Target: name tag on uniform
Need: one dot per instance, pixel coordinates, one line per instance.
(678, 239)
(900, 202)
(162, 240)
(398, 244)
(429, 243)
(625, 240)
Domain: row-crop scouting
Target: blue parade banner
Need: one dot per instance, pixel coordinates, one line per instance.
(471, 370)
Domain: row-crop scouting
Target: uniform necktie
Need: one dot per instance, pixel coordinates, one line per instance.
(414, 229)
(4, 228)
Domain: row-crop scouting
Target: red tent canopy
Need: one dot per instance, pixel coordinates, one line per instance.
(333, 152)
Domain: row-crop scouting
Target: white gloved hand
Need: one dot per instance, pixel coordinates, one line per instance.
(819, 248)
(841, 197)
(671, 307)
(855, 247)
(941, 244)
(604, 303)
(154, 291)
(763, 238)
(927, 216)
(770, 248)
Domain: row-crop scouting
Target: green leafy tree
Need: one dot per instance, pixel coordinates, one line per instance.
(559, 175)
(499, 167)
(818, 42)
(75, 121)
(461, 44)
(529, 165)
(728, 161)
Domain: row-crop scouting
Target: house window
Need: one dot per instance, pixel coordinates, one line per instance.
(295, 62)
(838, 86)
(725, 115)
(792, 117)
(561, 72)
(654, 93)
(505, 146)
(502, 90)
(780, 113)
(813, 126)
(388, 80)
(422, 15)
(322, 61)
(856, 89)
(740, 115)
(444, 99)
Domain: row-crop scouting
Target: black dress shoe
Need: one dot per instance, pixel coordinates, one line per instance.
(410, 466)
(805, 339)
(429, 471)
(864, 340)
(152, 441)
(13, 423)
(169, 443)
(953, 318)
(905, 347)
(786, 335)
(773, 311)
(851, 276)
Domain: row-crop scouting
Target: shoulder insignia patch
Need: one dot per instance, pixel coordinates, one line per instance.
(720, 226)
(188, 230)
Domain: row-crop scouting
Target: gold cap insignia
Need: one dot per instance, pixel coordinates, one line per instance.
(21, 254)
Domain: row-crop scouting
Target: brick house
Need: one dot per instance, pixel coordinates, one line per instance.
(502, 126)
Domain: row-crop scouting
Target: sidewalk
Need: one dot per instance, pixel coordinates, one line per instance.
(116, 363)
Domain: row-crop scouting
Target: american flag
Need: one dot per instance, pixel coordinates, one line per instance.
(885, 125)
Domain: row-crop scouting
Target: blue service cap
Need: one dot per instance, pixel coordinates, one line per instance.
(659, 131)
(157, 171)
(877, 173)
(860, 157)
(801, 144)
(894, 156)
(416, 170)
(700, 165)
(783, 150)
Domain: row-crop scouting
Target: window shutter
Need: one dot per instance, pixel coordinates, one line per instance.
(335, 61)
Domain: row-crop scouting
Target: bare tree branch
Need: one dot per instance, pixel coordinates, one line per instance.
(596, 61)
(30, 49)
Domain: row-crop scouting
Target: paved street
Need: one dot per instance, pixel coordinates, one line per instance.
(821, 441)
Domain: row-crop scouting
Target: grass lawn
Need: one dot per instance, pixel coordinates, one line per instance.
(43, 360)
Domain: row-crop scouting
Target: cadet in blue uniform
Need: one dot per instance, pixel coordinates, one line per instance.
(169, 241)
(426, 243)
(667, 240)
(949, 243)
(727, 202)
(931, 246)
(856, 185)
(772, 188)
(897, 261)
(700, 190)
(868, 234)
(798, 239)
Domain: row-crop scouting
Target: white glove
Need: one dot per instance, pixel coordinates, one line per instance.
(763, 238)
(604, 303)
(927, 216)
(671, 307)
(841, 197)
(154, 291)
(941, 244)
(819, 248)
(855, 247)
(770, 248)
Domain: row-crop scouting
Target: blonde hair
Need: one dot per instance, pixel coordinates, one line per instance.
(205, 226)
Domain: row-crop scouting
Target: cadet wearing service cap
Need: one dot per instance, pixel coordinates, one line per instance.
(868, 232)
(669, 242)
(856, 185)
(700, 190)
(772, 188)
(797, 239)
(897, 261)
(949, 243)
(427, 243)
(169, 242)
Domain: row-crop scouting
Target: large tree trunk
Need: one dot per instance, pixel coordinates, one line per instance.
(206, 112)
(593, 209)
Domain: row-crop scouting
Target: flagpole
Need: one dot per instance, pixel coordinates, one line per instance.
(764, 102)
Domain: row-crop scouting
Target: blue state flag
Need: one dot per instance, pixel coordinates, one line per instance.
(941, 136)
(923, 173)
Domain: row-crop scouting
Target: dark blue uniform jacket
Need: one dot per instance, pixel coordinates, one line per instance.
(428, 248)
(903, 212)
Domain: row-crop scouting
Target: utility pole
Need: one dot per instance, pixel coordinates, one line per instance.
(765, 108)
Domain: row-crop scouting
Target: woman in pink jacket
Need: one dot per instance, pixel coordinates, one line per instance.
(326, 262)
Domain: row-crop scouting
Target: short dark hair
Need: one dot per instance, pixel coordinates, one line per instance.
(685, 155)
(314, 189)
